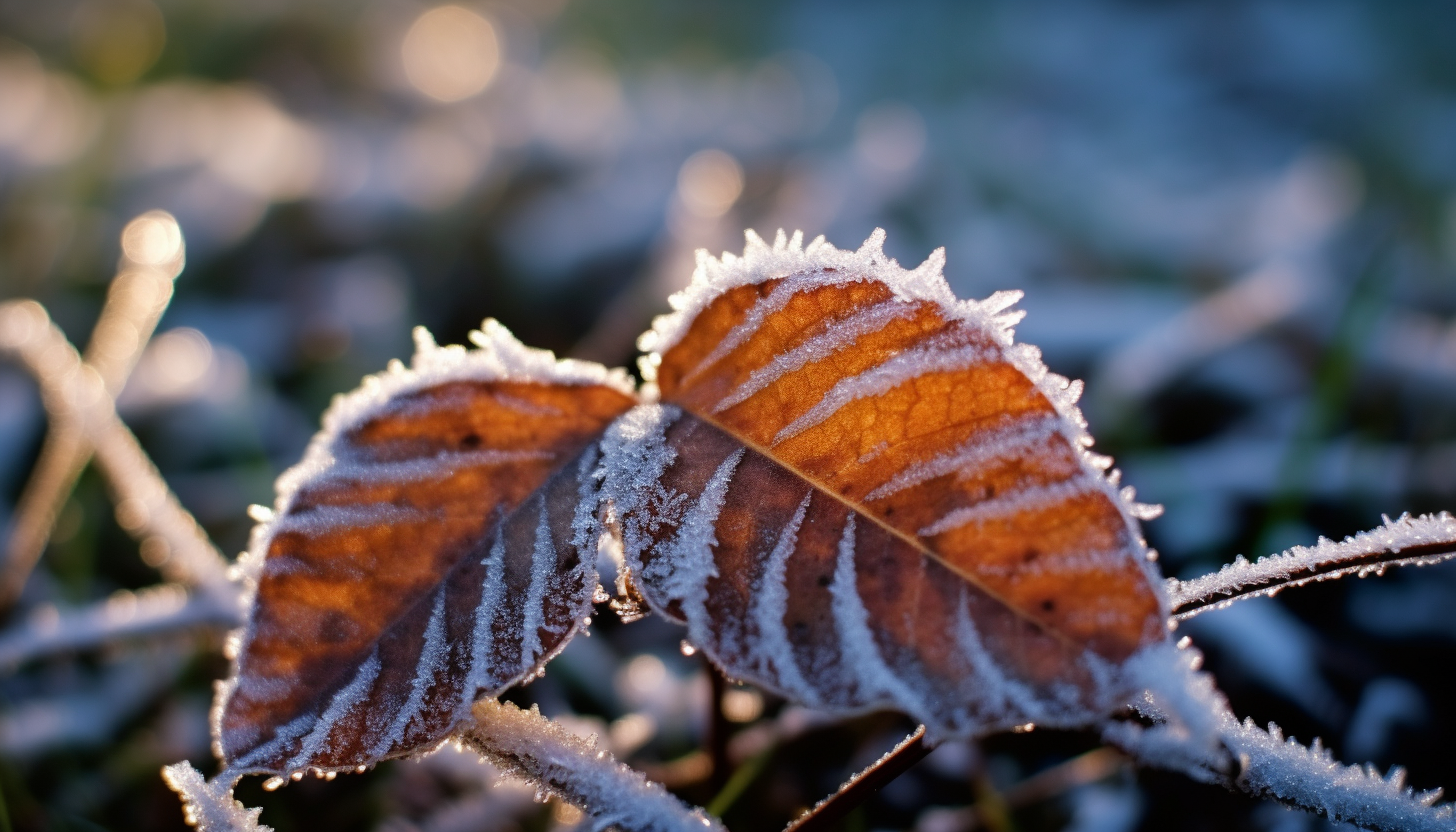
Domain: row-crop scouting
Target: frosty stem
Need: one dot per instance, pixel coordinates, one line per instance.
(1419, 541)
(138, 296)
(831, 809)
(75, 393)
(532, 747)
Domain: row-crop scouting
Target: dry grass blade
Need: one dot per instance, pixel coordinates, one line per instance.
(894, 763)
(528, 745)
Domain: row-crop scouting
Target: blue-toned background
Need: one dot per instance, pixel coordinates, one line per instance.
(1235, 220)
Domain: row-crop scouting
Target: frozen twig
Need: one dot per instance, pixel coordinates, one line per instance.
(894, 763)
(1420, 541)
(73, 390)
(1195, 732)
(210, 806)
(153, 611)
(527, 745)
(152, 257)
(1271, 766)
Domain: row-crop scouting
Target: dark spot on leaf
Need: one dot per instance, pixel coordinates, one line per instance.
(335, 627)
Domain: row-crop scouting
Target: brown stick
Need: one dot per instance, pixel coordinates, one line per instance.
(74, 389)
(719, 728)
(135, 301)
(910, 751)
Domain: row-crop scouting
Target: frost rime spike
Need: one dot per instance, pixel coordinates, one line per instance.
(210, 807)
(900, 462)
(418, 557)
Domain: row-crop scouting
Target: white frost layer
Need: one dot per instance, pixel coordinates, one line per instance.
(432, 658)
(210, 806)
(1319, 562)
(857, 641)
(1310, 777)
(1197, 734)
(820, 263)
(771, 603)
(559, 763)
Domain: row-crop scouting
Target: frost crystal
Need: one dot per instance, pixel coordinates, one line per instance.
(528, 745)
(210, 806)
(1196, 733)
(1428, 539)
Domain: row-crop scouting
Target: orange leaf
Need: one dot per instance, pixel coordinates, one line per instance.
(435, 545)
(856, 490)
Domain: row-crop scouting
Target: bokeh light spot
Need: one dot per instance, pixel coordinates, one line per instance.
(450, 53)
(152, 239)
(709, 182)
(890, 137)
(117, 41)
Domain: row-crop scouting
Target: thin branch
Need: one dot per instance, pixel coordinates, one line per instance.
(719, 728)
(152, 258)
(1419, 541)
(532, 747)
(1196, 733)
(910, 751)
(75, 390)
(126, 615)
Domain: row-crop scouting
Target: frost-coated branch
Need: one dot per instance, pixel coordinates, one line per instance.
(530, 746)
(1271, 766)
(1195, 732)
(210, 806)
(849, 796)
(1419, 541)
(160, 609)
(152, 257)
(75, 392)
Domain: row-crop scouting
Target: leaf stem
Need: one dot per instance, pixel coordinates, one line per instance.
(1419, 541)
(910, 751)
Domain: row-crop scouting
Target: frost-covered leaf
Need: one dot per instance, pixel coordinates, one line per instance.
(855, 489)
(427, 551)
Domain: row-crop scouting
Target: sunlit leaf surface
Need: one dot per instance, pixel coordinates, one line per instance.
(856, 490)
(427, 551)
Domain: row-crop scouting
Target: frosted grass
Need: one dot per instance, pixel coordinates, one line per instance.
(561, 764)
(1428, 539)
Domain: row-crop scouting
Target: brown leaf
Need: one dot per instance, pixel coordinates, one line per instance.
(434, 546)
(858, 491)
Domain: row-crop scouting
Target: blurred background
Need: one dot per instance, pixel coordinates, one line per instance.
(1235, 218)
